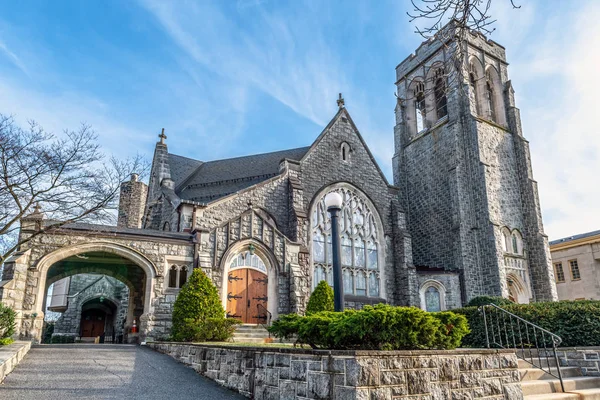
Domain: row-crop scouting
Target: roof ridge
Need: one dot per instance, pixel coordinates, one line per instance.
(258, 154)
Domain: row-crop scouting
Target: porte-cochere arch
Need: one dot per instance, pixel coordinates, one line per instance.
(139, 262)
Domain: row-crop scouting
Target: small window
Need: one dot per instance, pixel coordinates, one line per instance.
(473, 85)
(489, 90)
(559, 272)
(183, 273)
(432, 299)
(420, 106)
(345, 151)
(173, 277)
(441, 102)
(575, 275)
(178, 276)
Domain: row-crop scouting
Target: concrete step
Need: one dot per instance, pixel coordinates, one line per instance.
(588, 394)
(547, 386)
(532, 374)
(545, 363)
(553, 396)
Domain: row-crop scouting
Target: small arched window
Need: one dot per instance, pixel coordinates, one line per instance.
(345, 151)
(432, 299)
(183, 274)
(420, 106)
(489, 97)
(473, 86)
(441, 103)
(173, 277)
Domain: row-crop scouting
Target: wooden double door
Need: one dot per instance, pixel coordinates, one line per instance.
(92, 323)
(246, 290)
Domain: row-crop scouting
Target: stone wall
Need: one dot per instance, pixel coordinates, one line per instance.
(586, 358)
(286, 373)
(132, 203)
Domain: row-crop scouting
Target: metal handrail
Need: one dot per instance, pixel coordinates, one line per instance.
(524, 340)
(268, 316)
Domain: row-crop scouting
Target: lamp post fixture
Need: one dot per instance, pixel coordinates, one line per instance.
(333, 202)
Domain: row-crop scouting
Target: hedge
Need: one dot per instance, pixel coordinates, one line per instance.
(485, 300)
(321, 299)
(379, 327)
(576, 322)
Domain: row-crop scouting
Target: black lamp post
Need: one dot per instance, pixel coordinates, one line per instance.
(333, 202)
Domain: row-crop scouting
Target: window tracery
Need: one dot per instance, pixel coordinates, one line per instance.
(178, 275)
(441, 102)
(433, 296)
(247, 259)
(420, 113)
(360, 245)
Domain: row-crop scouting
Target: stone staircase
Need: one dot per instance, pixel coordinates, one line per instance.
(539, 385)
(250, 333)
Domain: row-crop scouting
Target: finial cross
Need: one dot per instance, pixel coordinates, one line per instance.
(162, 136)
(340, 101)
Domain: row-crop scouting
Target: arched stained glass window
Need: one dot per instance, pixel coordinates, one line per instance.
(432, 299)
(441, 102)
(173, 277)
(248, 260)
(420, 113)
(360, 245)
(183, 274)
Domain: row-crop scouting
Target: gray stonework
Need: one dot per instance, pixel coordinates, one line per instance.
(465, 177)
(271, 373)
(132, 203)
(85, 288)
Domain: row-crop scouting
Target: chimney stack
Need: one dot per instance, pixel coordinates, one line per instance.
(132, 202)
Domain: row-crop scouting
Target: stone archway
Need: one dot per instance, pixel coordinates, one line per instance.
(120, 262)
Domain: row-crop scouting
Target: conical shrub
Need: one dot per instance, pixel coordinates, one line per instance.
(321, 299)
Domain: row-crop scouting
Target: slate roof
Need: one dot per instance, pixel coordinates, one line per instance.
(182, 167)
(575, 237)
(213, 180)
(114, 230)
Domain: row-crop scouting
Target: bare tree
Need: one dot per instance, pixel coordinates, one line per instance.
(449, 22)
(67, 177)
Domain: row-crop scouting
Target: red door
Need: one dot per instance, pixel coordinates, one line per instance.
(246, 289)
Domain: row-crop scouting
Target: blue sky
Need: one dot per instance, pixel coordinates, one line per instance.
(228, 78)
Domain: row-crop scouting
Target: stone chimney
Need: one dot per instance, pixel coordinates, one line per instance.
(132, 202)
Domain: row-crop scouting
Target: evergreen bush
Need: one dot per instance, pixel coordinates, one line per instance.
(321, 299)
(198, 314)
(576, 322)
(7, 321)
(379, 327)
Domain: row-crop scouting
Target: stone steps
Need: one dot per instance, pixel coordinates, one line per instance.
(248, 333)
(540, 385)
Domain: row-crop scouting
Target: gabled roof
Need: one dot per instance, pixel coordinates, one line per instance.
(213, 180)
(181, 167)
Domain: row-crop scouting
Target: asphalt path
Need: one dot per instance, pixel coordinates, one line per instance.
(104, 371)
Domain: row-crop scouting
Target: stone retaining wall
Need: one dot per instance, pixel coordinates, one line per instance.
(287, 373)
(12, 355)
(587, 358)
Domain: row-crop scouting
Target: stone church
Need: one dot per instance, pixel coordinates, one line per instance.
(462, 217)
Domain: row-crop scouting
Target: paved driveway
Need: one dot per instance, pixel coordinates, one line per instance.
(106, 372)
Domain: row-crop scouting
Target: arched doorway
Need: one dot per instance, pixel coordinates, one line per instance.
(116, 261)
(97, 318)
(249, 290)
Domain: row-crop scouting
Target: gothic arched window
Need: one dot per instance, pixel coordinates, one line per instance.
(489, 97)
(432, 299)
(360, 244)
(441, 103)
(183, 274)
(345, 151)
(433, 296)
(420, 106)
(246, 259)
(173, 277)
(473, 85)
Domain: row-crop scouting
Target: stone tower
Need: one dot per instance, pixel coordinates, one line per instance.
(132, 202)
(465, 173)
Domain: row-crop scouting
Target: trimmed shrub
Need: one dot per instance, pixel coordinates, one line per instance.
(198, 314)
(48, 331)
(485, 300)
(576, 322)
(6, 341)
(212, 329)
(321, 299)
(379, 327)
(7, 321)
(62, 339)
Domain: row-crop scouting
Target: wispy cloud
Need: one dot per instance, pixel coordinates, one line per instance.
(14, 59)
